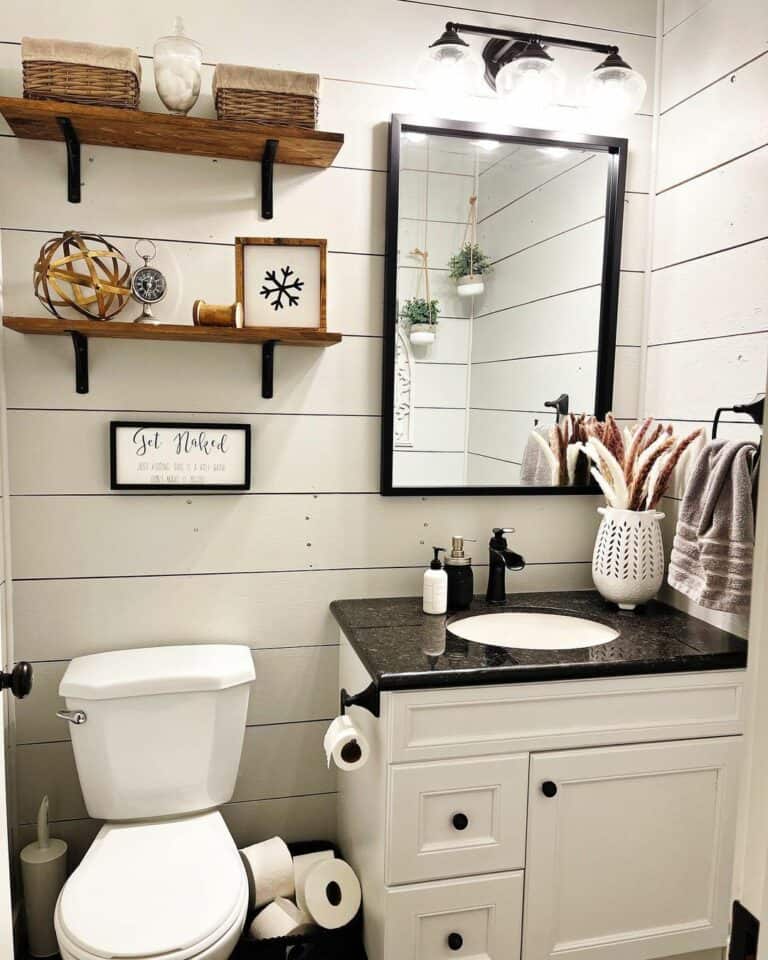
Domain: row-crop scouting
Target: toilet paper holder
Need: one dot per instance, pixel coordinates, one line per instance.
(369, 699)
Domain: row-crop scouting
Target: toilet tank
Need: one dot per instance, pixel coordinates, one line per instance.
(164, 728)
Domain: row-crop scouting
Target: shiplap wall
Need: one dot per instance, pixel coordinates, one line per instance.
(437, 176)
(535, 333)
(95, 571)
(708, 332)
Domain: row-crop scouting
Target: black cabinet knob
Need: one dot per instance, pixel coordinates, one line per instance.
(460, 821)
(18, 681)
(548, 788)
(455, 941)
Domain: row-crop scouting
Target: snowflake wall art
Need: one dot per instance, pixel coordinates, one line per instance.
(281, 283)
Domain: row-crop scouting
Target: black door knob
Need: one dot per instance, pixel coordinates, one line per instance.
(460, 821)
(18, 681)
(455, 941)
(548, 788)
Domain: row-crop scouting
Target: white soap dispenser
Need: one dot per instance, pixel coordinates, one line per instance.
(435, 585)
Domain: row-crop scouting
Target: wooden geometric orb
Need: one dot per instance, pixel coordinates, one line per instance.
(94, 280)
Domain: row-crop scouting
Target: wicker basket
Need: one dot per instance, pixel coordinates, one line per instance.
(77, 83)
(267, 107)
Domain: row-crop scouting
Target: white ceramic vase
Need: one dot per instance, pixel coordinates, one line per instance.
(628, 562)
(422, 333)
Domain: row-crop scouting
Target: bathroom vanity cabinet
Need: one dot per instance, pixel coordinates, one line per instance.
(591, 818)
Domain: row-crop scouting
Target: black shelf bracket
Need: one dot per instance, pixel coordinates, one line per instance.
(72, 141)
(80, 344)
(267, 179)
(369, 699)
(268, 369)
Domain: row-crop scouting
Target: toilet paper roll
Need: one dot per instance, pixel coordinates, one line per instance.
(345, 744)
(301, 867)
(270, 871)
(281, 918)
(332, 894)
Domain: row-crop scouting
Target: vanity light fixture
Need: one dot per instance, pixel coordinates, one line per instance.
(520, 68)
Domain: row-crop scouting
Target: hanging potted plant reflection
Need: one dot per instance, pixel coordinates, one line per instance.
(420, 313)
(470, 265)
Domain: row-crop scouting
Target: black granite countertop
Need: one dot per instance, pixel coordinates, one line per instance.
(404, 648)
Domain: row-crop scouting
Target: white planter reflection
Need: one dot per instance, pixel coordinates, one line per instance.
(422, 333)
(472, 285)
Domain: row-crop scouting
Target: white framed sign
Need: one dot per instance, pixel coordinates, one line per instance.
(184, 456)
(281, 282)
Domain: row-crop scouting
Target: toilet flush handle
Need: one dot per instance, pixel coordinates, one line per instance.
(73, 716)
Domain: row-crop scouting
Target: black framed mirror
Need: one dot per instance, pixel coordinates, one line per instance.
(503, 253)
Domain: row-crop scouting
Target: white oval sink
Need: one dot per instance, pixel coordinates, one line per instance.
(519, 629)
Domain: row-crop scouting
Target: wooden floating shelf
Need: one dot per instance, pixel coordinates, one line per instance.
(81, 330)
(76, 123)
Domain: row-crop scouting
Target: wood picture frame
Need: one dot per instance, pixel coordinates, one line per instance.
(272, 312)
(125, 438)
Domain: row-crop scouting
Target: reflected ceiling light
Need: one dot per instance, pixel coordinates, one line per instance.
(531, 81)
(613, 88)
(555, 152)
(449, 66)
(522, 70)
(415, 136)
(488, 146)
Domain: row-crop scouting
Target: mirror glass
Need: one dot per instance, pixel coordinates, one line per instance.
(499, 304)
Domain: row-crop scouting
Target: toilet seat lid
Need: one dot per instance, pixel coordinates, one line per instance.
(145, 889)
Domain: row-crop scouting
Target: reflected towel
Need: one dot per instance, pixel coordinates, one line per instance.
(535, 471)
(712, 551)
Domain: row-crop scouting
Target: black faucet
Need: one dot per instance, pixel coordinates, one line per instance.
(500, 558)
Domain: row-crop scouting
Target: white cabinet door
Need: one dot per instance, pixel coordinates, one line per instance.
(456, 818)
(629, 851)
(474, 919)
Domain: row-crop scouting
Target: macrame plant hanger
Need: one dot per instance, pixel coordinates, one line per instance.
(470, 233)
(423, 255)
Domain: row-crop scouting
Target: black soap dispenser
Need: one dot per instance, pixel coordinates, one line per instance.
(461, 581)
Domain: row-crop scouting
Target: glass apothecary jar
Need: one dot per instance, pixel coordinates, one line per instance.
(177, 62)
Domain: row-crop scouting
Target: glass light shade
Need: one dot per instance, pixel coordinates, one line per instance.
(448, 70)
(614, 91)
(529, 84)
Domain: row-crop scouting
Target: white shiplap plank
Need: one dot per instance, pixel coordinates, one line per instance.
(431, 468)
(293, 818)
(188, 377)
(77, 536)
(689, 380)
(527, 384)
(709, 297)
(690, 143)
(288, 452)
(370, 41)
(717, 38)
(57, 619)
(292, 685)
(277, 761)
(721, 209)
(207, 271)
(193, 198)
(676, 11)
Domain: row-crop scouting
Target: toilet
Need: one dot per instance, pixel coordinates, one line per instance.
(157, 735)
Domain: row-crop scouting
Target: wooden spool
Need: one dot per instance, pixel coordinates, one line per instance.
(217, 314)
(93, 280)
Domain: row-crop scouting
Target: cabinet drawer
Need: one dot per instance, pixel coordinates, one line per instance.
(479, 918)
(481, 721)
(456, 818)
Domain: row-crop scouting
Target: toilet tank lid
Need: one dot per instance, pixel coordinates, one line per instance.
(156, 670)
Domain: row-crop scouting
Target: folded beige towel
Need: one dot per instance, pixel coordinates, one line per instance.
(535, 470)
(232, 77)
(712, 551)
(87, 54)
